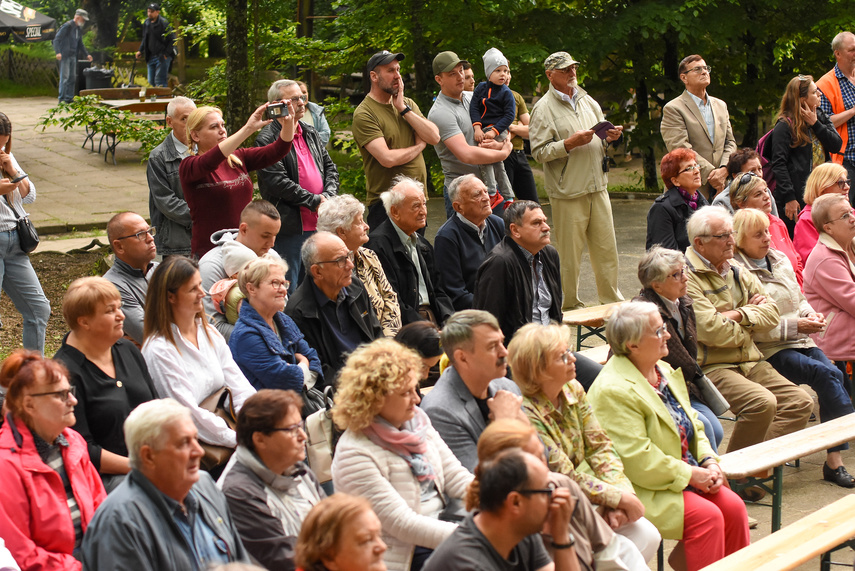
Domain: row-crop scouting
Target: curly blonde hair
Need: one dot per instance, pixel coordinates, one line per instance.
(370, 374)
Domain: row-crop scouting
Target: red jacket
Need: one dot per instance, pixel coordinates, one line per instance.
(34, 516)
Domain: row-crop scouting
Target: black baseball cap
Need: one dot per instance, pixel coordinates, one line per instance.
(382, 58)
(154, 6)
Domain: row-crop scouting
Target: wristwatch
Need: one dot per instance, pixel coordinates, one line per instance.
(406, 110)
(567, 545)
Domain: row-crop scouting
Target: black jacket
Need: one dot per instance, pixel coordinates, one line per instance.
(666, 220)
(280, 183)
(503, 285)
(403, 276)
(162, 39)
(303, 309)
(792, 166)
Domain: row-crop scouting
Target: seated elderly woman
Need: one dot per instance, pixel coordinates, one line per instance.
(342, 216)
(555, 403)
(663, 278)
(50, 488)
(266, 344)
(644, 406)
(392, 455)
(597, 546)
(342, 533)
(666, 219)
(788, 346)
(108, 372)
(750, 191)
(188, 359)
(268, 486)
(827, 178)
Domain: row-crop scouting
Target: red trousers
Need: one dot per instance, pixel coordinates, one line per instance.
(714, 525)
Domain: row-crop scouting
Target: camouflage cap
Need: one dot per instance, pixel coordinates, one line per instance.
(559, 60)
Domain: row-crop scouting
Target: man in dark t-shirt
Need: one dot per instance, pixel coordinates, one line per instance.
(516, 501)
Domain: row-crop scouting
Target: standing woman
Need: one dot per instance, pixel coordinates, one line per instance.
(802, 139)
(17, 276)
(215, 179)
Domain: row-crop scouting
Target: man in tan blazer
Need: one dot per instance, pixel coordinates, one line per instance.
(700, 122)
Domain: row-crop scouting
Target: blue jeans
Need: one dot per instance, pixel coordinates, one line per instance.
(19, 281)
(158, 70)
(67, 78)
(712, 427)
(811, 367)
(289, 248)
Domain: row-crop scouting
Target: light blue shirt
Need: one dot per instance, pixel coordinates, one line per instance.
(541, 299)
(411, 244)
(706, 113)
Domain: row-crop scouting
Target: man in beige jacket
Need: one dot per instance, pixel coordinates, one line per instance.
(696, 120)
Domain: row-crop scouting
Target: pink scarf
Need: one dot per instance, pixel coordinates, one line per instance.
(409, 442)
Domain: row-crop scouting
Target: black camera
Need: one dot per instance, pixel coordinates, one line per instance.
(276, 110)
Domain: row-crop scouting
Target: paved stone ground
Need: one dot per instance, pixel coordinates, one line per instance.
(78, 190)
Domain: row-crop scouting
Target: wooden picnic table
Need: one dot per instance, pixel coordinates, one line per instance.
(591, 319)
(143, 111)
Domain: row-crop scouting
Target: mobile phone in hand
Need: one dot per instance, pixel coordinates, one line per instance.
(19, 178)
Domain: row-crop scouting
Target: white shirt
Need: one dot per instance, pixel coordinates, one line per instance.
(8, 220)
(190, 375)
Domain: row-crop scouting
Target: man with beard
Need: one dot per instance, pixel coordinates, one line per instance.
(574, 167)
(390, 131)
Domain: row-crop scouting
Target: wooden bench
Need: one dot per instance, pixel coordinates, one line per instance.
(127, 92)
(813, 535)
(773, 454)
(589, 321)
(599, 354)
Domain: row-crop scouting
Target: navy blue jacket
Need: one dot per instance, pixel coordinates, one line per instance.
(68, 41)
(493, 106)
(267, 361)
(666, 220)
(461, 252)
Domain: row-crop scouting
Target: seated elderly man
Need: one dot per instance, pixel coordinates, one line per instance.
(167, 514)
(465, 239)
(407, 257)
(132, 240)
(331, 307)
(730, 305)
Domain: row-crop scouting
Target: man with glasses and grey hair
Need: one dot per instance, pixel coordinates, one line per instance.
(696, 120)
(331, 307)
(730, 306)
(166, 204)
(299, 183)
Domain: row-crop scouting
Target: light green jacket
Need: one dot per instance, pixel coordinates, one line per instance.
(646, 438)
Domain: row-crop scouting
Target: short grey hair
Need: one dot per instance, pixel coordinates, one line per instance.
(146, 426)
(515, 212)
(275, 91)
(454, 187)
(339, 212)
(822, 206)
(309, 250)
(700, 223)
(657, 264)
(627, 324)
(178, 102)
(395, 195)
(837, 42)
(458, 330)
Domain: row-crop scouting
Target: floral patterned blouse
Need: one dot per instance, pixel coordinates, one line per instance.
(383, 298)
(572, 437)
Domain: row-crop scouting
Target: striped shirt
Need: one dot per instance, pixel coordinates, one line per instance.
(8, 221)
(51, 454)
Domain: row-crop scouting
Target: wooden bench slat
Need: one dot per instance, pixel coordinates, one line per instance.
(589, 316)
(791, 546)
(599, 354)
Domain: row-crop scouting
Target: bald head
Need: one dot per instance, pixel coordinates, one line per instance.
(131, 239)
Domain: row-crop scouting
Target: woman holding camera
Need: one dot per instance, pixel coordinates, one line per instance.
(215, 178)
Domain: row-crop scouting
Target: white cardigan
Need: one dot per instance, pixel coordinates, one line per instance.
(363, 468)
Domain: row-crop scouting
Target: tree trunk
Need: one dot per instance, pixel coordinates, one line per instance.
(238, 101)
(642, 113)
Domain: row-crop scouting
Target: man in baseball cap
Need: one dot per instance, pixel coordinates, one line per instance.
(383, 58)
(68, 47)
(157, 46)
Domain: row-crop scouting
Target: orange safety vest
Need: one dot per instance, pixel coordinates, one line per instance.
(830, 87)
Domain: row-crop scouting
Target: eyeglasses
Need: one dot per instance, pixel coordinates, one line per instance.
(843, 183)
(292, 430)
(567, 69)
(690, 168)
(566, 356)
(279, 284)
(660, 331)
(723, 236)
(745, 179)
(301, 99)
(679, 274)
(845, 217)
(61, 395)
(141, 234)
(699, 69)
(550, 487)
(340, 262)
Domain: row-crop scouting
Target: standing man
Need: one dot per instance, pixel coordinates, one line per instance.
(700, 122)
(575, 166)
(68, 46)
(468, 77)
(450, 112)
(390, 131)
(837, 99)
(299, 183)
(157, 45)
(166, 205)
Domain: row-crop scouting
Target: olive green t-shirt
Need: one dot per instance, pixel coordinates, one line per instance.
(372, 120)
(521, 110)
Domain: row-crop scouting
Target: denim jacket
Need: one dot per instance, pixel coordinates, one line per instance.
(166, 204)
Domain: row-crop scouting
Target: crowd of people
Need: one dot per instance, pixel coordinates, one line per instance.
(169, 430)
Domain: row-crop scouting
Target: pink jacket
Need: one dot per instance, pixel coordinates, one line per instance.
(805, 235)
(34, 516)
(781, 242)
(830, 289)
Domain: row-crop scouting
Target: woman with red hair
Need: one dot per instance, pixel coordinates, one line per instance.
(666, 219)
(50, 488)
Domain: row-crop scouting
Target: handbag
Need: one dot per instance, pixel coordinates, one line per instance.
(711, 395)
(313, 399)
(321, 438)
(218, 455)
(27, 234)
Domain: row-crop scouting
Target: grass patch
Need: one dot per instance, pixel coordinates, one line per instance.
(10, 89)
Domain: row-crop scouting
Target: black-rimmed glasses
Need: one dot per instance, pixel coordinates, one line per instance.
(550, 487)
(141, 234)
(292, 430)
(62, 395)
(843, 183)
